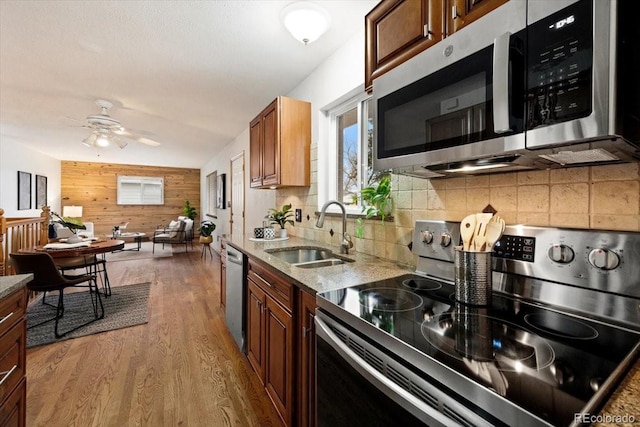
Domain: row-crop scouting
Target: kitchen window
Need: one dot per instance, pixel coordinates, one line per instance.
(347, 158)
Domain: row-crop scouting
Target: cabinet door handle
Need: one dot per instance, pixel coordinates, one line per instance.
(263, 279)
(6, 317)
(454, 11)
(7, 374)
(425, 31)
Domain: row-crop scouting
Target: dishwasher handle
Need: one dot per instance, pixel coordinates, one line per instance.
(234, 257)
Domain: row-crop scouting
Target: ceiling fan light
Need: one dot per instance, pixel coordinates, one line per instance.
(102, 141)
(305, 21)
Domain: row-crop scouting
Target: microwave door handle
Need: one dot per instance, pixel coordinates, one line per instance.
(501, 84)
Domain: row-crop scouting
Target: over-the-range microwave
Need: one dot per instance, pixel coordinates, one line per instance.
(534, 84)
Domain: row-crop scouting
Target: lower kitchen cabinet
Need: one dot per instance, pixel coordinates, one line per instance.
(270, 339)
(255, 328)
(306, 361)
(13, 411)
(279, 358)
(13, 350)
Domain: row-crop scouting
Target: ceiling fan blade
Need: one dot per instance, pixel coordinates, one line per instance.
(147, 141)
(135, 135)
(119, 141)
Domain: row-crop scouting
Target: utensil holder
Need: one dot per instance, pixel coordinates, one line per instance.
(473, 281)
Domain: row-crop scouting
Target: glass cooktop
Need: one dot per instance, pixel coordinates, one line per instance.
(546, 362)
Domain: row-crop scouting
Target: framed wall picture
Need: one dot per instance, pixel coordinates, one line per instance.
(221, 199)
(41, 191)
(24, 190)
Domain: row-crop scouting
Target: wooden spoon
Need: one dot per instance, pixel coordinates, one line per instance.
(467, 229)
(494, 231)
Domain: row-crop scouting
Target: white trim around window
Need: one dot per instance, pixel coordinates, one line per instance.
(328, 149)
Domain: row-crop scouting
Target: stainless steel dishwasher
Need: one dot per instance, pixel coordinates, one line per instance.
(236, 278)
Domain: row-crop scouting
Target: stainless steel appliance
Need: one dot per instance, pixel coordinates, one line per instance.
(562, 330)
(235, 295)
(533, 84)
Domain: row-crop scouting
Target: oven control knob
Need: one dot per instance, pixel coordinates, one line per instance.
(561, 254)
(445, 239)
(604, 259)
(427, 236)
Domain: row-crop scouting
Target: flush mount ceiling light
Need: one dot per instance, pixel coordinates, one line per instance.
(305, 21)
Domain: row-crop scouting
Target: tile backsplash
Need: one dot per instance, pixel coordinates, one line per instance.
(597, 197)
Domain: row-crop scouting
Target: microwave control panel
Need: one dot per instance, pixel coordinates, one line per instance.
(560, 58)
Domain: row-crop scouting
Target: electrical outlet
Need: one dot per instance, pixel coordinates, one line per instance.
(298, 215)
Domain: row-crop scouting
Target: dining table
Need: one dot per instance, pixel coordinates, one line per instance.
(71, 250)
(69, 256)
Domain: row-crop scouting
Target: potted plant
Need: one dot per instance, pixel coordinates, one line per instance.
(281, 217)
(377, 201)
(189, 211)
(205, 231)
(73, 224)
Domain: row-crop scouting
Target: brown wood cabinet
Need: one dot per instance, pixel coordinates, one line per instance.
(463, 12)
(280, 145)
(306, 360)
(13, 350)
(223, 273)
(270, 339)
(397, 30)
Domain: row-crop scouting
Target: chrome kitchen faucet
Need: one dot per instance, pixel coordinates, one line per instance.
(346, 239)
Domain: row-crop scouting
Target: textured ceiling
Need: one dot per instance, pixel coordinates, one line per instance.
(189, 74)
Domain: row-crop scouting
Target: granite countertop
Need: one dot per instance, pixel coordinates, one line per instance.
(10, 284)
(366, 268)
(623, 408)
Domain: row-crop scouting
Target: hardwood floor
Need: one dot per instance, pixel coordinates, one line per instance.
(181, 368)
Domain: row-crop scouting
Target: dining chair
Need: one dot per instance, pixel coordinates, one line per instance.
(93, 265)
(47, 278)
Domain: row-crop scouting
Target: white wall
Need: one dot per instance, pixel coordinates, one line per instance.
(338, 75)
(257, 202)
(16, 157)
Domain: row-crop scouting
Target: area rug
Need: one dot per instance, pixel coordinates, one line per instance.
(127, 306)
(146, 251)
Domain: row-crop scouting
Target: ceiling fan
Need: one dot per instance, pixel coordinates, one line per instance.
(107, 130)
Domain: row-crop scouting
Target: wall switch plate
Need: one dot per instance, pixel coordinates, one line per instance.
(298, 215)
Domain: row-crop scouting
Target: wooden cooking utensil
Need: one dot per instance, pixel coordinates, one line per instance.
(494, 231)
(481, 228)
(467, 230)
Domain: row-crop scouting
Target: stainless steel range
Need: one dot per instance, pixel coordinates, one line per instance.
(563, 328)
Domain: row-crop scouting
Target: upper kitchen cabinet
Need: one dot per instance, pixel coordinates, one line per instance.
(280, 144)
(464, 12)
(396, 30)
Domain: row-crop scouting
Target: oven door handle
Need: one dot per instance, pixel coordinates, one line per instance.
(501, 87)
(388, 387)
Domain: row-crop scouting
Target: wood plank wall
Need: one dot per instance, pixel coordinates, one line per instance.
(94, 187)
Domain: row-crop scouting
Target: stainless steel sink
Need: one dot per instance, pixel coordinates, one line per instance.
(308, 257)
(321, 263)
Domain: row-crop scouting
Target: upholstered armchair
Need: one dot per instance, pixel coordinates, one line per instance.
(188, 228)
(173, 234)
